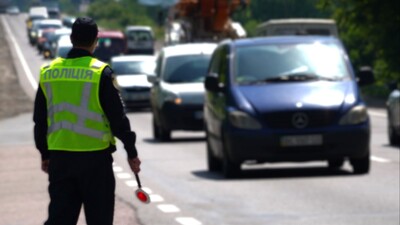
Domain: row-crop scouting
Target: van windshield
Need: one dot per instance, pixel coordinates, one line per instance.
(186, 68)
(289, 62)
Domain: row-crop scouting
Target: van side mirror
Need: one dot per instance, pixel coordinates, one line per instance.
(211, 83)
(365, 76)
(152, 78)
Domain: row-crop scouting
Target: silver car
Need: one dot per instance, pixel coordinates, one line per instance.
(393, 112)
(177, 94)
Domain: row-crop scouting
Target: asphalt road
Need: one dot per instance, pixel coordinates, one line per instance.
(184, 192)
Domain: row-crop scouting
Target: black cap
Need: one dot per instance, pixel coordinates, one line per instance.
(84, 31)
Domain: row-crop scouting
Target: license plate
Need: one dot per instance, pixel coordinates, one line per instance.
(301, 140)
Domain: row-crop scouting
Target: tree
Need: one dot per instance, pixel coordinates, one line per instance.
(118, 15)
(371, 32)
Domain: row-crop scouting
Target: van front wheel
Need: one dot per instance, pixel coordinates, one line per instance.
(229, 169)
(361, 165)
(214, 164)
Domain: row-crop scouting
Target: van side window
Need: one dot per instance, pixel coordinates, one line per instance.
(214, 66)
(223, 65)
(219, 63)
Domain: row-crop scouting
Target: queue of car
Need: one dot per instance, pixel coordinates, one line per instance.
(266, 99)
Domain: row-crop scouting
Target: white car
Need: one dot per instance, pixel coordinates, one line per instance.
(177, 94)
(131, 76)
(64, 45)
(393, 112)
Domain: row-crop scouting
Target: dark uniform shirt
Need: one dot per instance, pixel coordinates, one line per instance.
(111, 103)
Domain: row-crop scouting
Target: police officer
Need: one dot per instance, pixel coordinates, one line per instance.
(77, 114)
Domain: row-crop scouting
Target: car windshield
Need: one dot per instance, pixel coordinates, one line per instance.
(133, 67)
(289, 62)
(186, 68)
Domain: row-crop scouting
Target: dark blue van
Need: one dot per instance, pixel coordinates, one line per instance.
(287, 98)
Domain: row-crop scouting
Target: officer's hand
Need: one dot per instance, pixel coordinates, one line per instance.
(134, 164)
(45, 165)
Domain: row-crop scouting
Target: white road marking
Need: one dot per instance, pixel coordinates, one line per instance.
(156, 198)
(147, 190)
(168, 208)
(377, 114)
(124, 175)
(379, 159)
(24, 65)
(187, 221)
(117, 169)
(131, 183)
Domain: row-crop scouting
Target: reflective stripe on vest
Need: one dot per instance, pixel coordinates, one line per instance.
(81, 111)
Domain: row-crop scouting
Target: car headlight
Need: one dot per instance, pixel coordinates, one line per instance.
(356, 115)
(33, 34)
(243, 120)
(172, 97)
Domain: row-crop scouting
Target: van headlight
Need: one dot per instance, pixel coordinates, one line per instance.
(243, 120)
(356, 115)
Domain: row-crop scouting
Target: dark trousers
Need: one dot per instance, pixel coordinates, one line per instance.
(78, 179)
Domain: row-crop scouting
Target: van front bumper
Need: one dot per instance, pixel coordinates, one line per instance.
(267, 146)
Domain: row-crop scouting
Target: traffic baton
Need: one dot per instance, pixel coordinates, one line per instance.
(140, 193)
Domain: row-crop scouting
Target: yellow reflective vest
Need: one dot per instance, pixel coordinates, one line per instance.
(75, 118)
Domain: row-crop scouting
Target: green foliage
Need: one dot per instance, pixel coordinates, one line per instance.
(371, 32)
(67, 7)
(119, 14)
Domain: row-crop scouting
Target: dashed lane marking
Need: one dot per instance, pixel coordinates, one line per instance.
(124, 175)
(377, 114)
(187, 221)
(379, 159)
(117, 169)
(154, 198)
(168, 208)
(131, 183)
